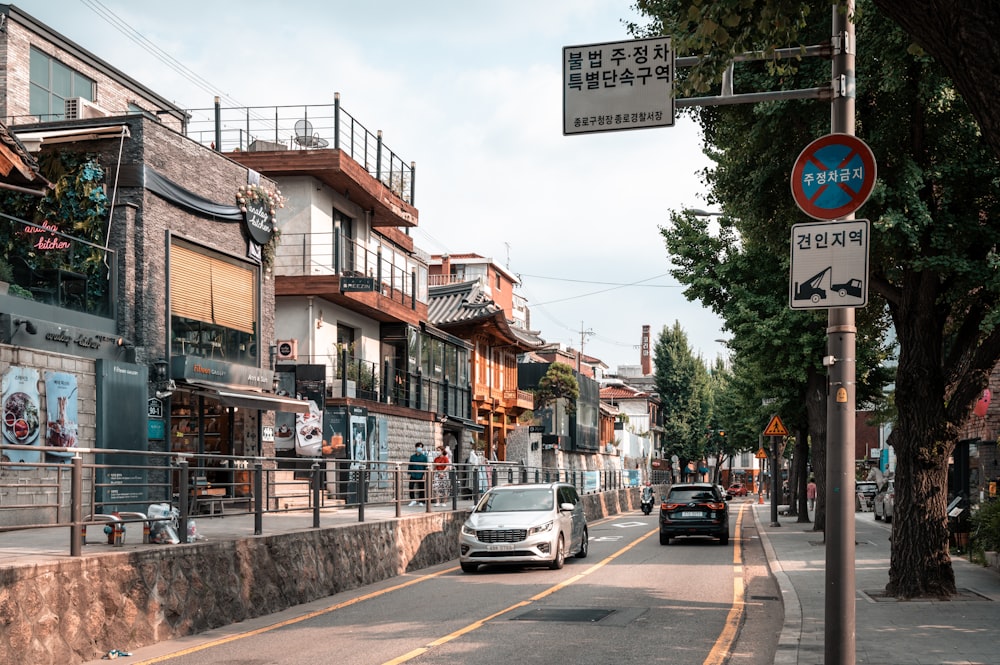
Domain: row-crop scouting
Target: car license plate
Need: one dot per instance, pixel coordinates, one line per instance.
(500, 547)
(691, 513)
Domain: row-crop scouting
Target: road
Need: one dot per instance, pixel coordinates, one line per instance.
(631, 600)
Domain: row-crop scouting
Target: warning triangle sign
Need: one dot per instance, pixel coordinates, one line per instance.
(775, 427)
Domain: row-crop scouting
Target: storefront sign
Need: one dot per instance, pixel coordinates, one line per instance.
(348, 284)
(267, 434)
(156, 429)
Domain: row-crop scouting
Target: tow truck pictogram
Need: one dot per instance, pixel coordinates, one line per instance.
(812, 289)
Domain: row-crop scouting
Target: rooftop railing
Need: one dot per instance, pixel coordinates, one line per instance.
(271, 128)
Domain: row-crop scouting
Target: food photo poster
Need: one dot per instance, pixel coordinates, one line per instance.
(21, 420)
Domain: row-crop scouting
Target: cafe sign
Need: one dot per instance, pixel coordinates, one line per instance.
(258, 205)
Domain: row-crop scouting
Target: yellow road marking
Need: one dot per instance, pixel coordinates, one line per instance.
(524, 603)
(724, 643)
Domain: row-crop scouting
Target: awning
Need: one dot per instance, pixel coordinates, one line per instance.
(248, 399)
(33, 140)
(464, 422)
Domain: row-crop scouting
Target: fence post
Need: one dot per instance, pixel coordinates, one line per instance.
(454, 488)
(258, 492)
(183, 489)
(398, 482)
(78, 533)
(362, 490)
(315, 493)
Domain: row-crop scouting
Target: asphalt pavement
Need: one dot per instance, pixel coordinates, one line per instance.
(961, 630)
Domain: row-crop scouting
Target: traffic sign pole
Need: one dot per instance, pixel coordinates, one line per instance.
(840, 611)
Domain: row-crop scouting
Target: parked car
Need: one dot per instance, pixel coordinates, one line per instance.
(694, 509)
(865, 489)
(524, 524)
(737, 489)
(885, 501)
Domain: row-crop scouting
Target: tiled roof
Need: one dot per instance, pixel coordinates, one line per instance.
(465, 303)
(24, 169)
(621, 391)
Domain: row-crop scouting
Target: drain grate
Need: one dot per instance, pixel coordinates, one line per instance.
(590, 615)
(764, 598)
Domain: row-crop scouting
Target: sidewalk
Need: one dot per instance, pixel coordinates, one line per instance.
(887, 632)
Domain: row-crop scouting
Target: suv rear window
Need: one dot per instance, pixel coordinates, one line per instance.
(685, 495)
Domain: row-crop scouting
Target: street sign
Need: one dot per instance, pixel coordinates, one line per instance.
(761, 454)
(829, 266)
(618, 85)
(833, 176)
(775, 427)
(154, 408)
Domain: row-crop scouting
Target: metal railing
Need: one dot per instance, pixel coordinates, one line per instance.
(79, 494)
(330, 253)
(303, 127)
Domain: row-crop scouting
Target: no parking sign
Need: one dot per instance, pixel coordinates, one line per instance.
(833, 176)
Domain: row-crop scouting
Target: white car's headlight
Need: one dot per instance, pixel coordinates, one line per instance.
(541, 528)
(467, 530)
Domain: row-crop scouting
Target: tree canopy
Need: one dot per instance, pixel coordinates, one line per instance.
(935, 225)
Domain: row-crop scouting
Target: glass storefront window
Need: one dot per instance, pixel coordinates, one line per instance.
(197, 338)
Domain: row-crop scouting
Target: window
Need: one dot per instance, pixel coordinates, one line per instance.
(345, 226)
(51, 84)
(213, 305)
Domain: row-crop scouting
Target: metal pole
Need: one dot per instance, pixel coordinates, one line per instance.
(258, 493)
(841, 339)
(775, 480)
(77, 531)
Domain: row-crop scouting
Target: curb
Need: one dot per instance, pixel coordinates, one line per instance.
(787, 652)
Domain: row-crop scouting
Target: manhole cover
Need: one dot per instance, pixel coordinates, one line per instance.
(563, 614)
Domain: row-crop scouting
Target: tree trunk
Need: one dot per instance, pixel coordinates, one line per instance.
(816, 416)
(923, 439)
(801, 475)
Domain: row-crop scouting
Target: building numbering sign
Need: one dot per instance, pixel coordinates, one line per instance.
(829, 266)
(618, 85)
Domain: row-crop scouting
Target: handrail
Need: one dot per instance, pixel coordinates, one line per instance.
(303, 127)
(86, 492)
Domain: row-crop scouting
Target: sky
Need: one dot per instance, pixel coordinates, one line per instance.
(471, 92)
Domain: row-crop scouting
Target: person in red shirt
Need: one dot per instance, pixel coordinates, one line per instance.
(442, 463)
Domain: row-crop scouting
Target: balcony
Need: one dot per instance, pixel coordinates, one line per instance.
(48, 267)
(519, 399)
(324, 142)
(383, 282)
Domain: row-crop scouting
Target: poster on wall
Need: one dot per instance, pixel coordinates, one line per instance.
(284, 422)
(309, 432)
(359, 436)
(61, 415)
(21, 420)
(378, 443)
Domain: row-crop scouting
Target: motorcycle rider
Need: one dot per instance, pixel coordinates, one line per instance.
(647, 497)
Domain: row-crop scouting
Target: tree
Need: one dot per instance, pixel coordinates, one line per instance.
(960, 36)
(936, 222)
(559, 382)
(682, 383)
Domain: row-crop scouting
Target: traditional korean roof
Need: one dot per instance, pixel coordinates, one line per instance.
(464, 305)
(17, 166)
(619, 391)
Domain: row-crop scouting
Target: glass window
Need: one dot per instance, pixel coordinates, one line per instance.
(52, 83)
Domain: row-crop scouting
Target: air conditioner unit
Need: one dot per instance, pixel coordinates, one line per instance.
(288, 349)
(78, 108)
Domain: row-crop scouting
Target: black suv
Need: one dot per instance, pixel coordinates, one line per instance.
(694, 509)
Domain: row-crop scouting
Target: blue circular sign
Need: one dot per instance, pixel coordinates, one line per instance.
(833, 176)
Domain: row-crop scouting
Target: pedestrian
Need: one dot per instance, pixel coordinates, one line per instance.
(441, 464)
(811, 493)
(416, 469)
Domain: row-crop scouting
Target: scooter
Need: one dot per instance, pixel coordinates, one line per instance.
(646, 502)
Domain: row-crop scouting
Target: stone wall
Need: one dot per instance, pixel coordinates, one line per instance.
(76, 610)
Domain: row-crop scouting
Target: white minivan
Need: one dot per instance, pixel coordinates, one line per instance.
(525, 524)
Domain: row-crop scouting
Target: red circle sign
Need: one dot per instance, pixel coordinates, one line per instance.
(833, 176)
